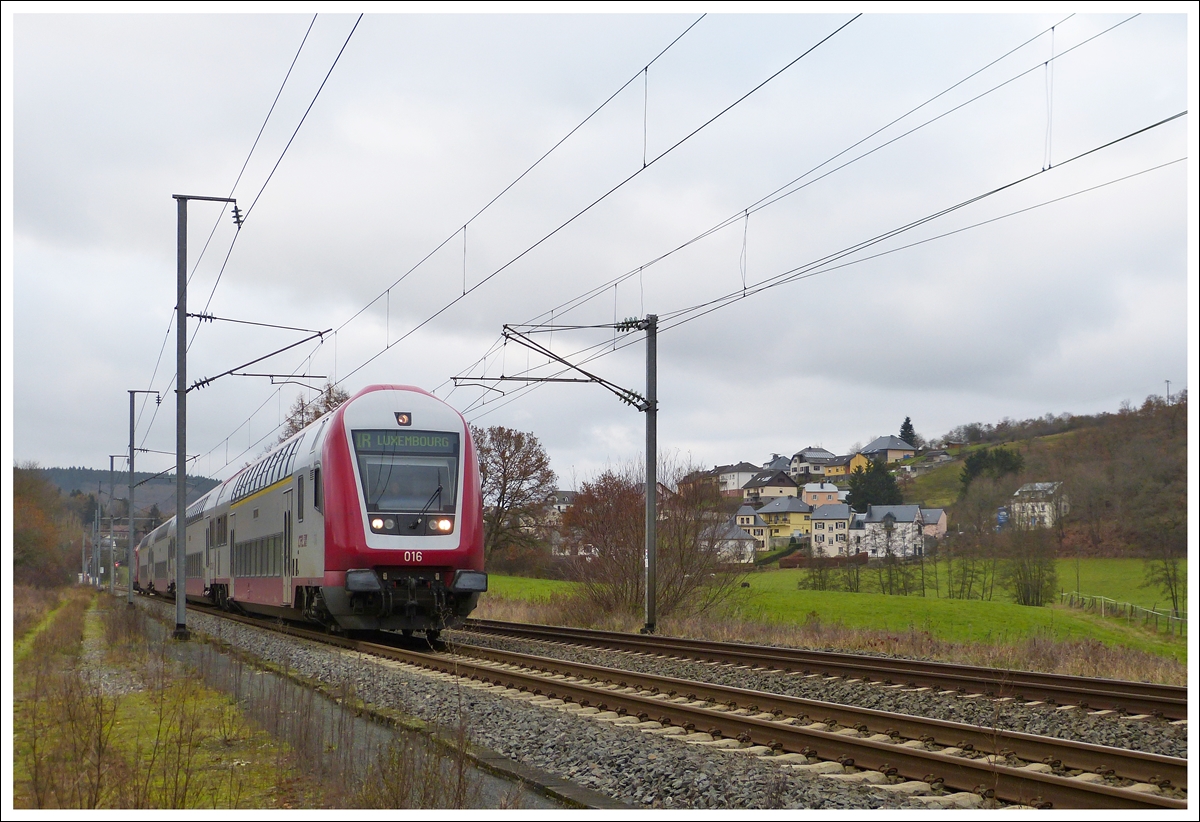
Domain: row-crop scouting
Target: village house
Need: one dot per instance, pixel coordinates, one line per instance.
(786, 517)
(831, 529)
(895, 530)
(810, 461)
(934, 520)
(768, 485)
(732, 478)
(844, 466)
(820, 493)
(1038, 505)
(749, 521)
(889, 449)
(733, 544)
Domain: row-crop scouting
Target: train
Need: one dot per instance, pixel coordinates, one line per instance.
(369, 518)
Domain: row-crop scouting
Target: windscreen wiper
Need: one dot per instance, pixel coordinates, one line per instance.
(415, 524)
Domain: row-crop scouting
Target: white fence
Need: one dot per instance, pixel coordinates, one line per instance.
(1167, 621)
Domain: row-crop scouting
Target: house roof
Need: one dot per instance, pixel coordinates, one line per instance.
(730, 530)
(764, 478)
(888, 443)
(1037, 489)
(833, 510)
(820, 486)
(805, 454)
(747, 511)
(900, 513)
(843, 460)
(786, 505)
(739, 468)
(932, 514)
(777, 462)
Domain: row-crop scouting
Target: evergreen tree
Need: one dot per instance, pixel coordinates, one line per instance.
(907, 433)
(874, 486)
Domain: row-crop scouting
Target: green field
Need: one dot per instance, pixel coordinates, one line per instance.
(526, 588)
(774, 597)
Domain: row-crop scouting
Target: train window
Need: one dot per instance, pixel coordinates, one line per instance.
(300, 498)
(317, 437)
(411, 471)
(318, 499)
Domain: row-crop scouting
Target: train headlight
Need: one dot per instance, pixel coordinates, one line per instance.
(444, 525)
(377, 523)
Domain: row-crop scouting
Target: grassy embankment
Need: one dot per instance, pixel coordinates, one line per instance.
(105, 718)
(100, 721)
(999, 632)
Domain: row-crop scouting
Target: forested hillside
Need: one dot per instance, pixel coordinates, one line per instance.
(1123, 494)
(152, 489)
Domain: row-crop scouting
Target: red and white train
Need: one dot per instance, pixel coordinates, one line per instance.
(369, 518)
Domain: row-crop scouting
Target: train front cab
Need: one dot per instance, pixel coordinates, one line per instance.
(403, 514)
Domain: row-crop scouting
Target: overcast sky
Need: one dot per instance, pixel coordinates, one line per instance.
(1056, 305)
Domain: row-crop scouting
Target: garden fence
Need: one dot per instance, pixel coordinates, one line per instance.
(1169, 621)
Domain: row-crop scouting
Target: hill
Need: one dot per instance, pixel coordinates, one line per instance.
(151, 489)
(1124, 474)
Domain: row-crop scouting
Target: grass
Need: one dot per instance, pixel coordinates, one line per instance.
(775, 597)
(526, 588)
(1119, 579)
(991, 631)
(936, 489)
(161, 741)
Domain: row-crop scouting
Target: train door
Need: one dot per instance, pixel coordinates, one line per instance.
(288, 570)
(233, 567)
(208, 534)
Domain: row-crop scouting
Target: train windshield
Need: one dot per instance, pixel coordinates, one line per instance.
(408, 472)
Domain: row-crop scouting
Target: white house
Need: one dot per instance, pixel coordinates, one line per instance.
(895, 530)
(1038, 505)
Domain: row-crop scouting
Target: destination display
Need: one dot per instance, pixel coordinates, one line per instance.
(405, 442)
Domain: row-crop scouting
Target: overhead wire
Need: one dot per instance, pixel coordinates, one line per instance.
(521, 176)
(771, 198)
(676, 318)
(597, 201)
(274, 168)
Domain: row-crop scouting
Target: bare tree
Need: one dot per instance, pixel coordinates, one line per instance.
(609, 515)
(303, 412)
(1030, 568)
(518, 488)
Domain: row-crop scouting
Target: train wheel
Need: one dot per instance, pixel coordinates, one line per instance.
(406, 632)
(432, 634)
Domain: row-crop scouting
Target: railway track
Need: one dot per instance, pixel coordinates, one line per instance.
(1133, 698)
(862, 745)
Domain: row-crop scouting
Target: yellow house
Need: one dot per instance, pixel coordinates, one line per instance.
(787, 517)
(844, 466)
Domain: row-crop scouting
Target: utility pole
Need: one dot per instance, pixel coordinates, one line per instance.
(96, 536)
(647, 404)
(129, 557)
(651, 326)
(112, 528)
(181, 631)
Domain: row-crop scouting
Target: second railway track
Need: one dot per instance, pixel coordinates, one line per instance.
(1135, 698)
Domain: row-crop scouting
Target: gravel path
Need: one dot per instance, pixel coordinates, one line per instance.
(1153, 736)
